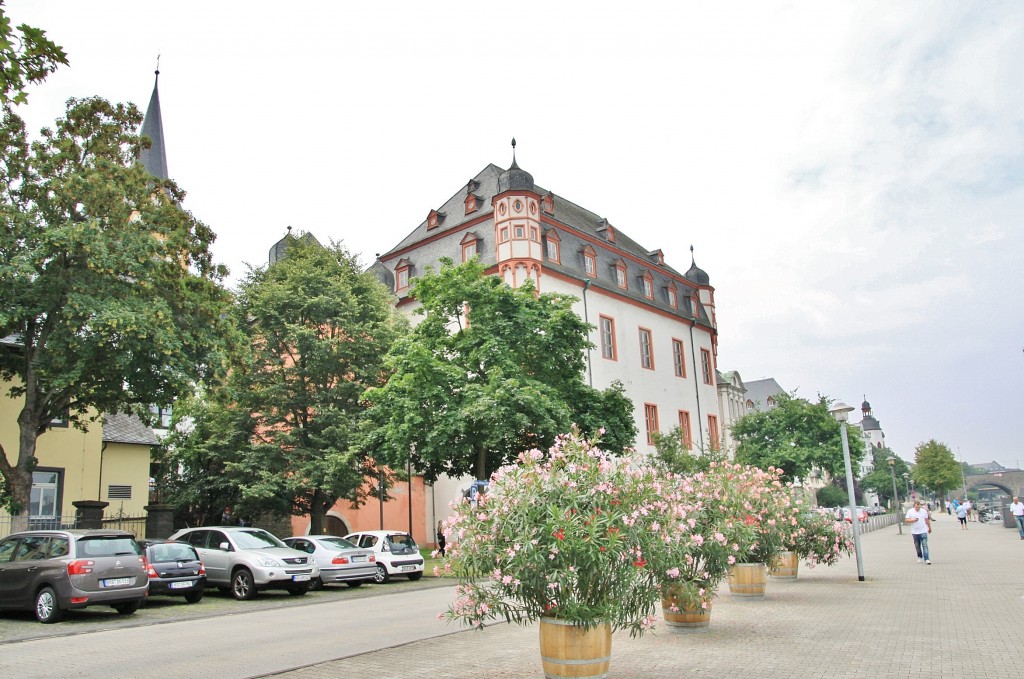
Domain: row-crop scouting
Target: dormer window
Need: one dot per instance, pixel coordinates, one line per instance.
(402, 270)
(552, 244)
(434, 219)
(473, 203)
(547, 203)
(620, 274)
(673, 297)
(607, 230)
(590, 261)
(470, 246)
(648, 284)
(657, 256)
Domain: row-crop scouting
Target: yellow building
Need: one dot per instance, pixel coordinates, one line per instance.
(108, 463)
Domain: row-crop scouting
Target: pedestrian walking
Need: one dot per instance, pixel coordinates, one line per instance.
(441, 541)
(1017, 509)
(949, 508)
(967, 503)
(921, 526)
(961, 514)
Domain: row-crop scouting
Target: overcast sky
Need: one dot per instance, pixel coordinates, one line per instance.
(849, 174)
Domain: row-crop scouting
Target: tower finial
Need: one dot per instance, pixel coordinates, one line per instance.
(691, 253)
(513, 150)
(157, 65)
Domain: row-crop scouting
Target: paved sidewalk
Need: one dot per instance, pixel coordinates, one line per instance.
(959, 618)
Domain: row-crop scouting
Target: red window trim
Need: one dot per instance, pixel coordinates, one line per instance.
(651, 420)
(611, 343)
(686, 428)
(679, 359)
(650, 347)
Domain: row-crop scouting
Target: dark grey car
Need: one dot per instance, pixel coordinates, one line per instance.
(53, 571)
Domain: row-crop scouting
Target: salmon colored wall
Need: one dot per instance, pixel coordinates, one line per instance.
(396, 513)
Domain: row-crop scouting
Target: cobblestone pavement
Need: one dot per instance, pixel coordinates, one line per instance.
(959, 617)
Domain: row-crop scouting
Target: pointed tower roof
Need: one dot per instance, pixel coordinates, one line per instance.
(515, 178)
(695, 273)
(154, 159)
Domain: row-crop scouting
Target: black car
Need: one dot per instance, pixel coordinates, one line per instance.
(174, 569)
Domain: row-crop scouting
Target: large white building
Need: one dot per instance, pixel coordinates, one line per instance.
(655, 329)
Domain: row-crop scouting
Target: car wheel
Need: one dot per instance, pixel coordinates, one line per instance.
(298, 590)
(416, 576)
(194, 597)
(382, 574)
(354, 583)
(47, 609)
(316, 584)
(128, 608)
(242, 586)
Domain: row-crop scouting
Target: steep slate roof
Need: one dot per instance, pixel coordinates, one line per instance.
(154, 159)
(758, 391)
(122, 428)
(428, 253)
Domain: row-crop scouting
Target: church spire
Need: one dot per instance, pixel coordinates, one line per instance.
(154, 159)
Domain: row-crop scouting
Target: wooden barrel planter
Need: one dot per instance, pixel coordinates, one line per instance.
(568, 650)
(785, 566)
(747, 580)
(680, 618)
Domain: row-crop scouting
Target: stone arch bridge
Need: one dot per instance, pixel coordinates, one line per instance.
(1012, 483)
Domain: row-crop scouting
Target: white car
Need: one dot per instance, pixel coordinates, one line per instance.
(247, 560)
(395, 551)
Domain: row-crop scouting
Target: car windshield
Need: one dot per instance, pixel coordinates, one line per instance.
(107, 545)
(337, 543)
(255, 539)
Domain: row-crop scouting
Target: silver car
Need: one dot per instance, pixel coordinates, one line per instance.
(338, 559)
(53, 571)
(246, 560)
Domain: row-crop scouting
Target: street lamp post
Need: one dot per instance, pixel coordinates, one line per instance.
(906, 482)
(895, 495)
(841, 412)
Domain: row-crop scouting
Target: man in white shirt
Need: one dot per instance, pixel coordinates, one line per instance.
(921, 525)
(968, 506)
(1017, 509)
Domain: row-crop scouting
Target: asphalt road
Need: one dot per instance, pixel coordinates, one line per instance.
(223, 638)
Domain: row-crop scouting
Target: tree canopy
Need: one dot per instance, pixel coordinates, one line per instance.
(108, 289)
(880, 479)
(671, 455)
(489, 372)
(319, 328)
(795, 436)
(936, 467)
(27, 56)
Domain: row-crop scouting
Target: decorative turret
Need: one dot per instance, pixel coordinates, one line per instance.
(698, 277)
(517, 232)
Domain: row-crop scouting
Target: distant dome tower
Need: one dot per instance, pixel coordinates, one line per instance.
(705, 292)
(517, 226)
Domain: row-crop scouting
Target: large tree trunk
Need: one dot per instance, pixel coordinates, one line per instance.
(481, 464)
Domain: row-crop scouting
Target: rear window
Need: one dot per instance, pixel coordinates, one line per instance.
(107, 546)
(402, 542)
(161, 553)
(339, 543)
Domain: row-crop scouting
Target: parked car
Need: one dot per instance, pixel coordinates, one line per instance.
(338, 559)
(862, 515)
(247, 560)
(395, 551)
(53, 571)
(174, 569)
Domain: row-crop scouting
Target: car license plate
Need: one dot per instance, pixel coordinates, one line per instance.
(358, 559)
(300, 578)
(408, 568)
(117, 582)
(183, 584)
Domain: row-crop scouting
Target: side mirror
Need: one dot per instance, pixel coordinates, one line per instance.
(225, 546)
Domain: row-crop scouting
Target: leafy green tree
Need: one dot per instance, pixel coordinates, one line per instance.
(489, 372)
(670, 454)
(107, 286)
(832, 496)
(795, 436)
(206, 434)
(935, 467)
(319, 329)
(27, 56)
(879, 481)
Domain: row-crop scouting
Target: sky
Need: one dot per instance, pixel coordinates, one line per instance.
(849, 174)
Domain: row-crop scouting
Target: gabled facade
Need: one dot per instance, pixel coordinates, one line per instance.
(654, 327)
